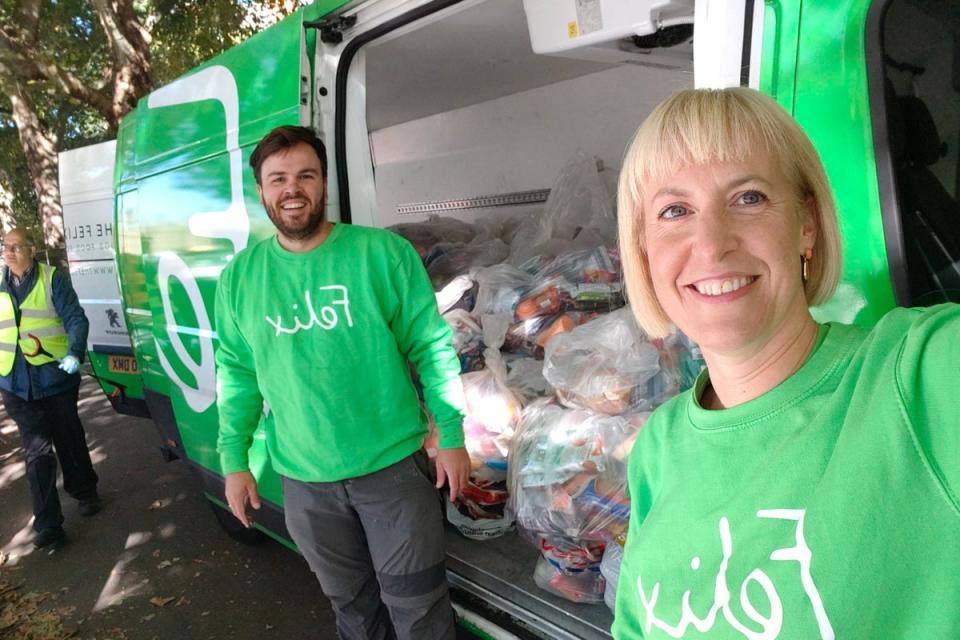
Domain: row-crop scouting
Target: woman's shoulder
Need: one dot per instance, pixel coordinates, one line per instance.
(921, 334)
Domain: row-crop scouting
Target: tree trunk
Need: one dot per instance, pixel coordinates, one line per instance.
(130, 53)
(7, 219)
(40, 149)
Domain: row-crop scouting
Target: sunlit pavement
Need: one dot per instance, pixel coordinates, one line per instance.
(154, 563)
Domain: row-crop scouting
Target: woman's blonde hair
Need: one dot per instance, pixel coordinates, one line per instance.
(701, 126)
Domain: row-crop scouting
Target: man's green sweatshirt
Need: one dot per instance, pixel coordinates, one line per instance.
(324, 337)
(826, 508)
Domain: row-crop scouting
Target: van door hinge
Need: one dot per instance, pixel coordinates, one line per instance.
(331, 29)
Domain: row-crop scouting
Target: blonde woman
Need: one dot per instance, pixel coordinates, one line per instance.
(806, 487)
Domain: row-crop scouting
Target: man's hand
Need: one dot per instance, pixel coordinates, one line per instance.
(453, 466)
(242, 488)
(69, 364)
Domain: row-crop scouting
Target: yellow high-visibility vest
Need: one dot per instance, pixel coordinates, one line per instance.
(38, 317)
(8, 334)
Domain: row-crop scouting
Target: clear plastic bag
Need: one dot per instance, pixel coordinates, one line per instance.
(500, 287)
(492, 414)
(424, 235)
(525, 378)
(453, 294)
(446, 261)
(467, 339)
(610, 570)
(530, 337)
(567, 471)
(570, 569)
(608, 366)
(578, 200)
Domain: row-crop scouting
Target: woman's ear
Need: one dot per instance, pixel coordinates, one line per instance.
(810, 223)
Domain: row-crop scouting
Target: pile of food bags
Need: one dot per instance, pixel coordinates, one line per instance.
(558, 377)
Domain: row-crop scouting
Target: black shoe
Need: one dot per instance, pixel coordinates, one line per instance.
(54, 536)
(90, 506)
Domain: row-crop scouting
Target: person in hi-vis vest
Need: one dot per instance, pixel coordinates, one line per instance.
(43, 336)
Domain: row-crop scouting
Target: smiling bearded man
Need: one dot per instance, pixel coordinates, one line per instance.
(321, 321)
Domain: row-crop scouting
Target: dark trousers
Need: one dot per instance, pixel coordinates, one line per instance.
(376, 545)
(51, 426)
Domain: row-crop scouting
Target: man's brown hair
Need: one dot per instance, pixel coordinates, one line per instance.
(285, 137)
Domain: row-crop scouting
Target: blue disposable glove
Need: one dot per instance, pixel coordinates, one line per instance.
(70, 364)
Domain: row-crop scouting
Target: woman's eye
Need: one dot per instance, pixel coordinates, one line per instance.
(751, 198)
(673, 211)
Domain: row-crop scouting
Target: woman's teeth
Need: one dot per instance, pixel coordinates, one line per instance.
(720, 287)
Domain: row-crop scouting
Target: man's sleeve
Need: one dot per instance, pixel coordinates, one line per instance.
(425, 339)
(239, 403)
(67, 306)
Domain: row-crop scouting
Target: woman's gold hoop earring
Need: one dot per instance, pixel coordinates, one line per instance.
(805, 259)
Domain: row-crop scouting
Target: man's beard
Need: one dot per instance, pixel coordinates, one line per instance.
(302, 231)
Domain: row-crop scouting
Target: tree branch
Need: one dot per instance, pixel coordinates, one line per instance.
(23, 63)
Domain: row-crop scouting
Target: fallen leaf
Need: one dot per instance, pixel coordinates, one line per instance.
(161, 601)
(149, 616)
(164, 564)
(156, 504)
(182, 600)
(156, 553)
(205, 613)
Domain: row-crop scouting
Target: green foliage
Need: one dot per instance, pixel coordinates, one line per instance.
(184, 33)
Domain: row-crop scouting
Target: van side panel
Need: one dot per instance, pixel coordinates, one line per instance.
(819, 74)
(186, 203)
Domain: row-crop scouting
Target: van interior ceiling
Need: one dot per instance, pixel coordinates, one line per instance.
(461, 107)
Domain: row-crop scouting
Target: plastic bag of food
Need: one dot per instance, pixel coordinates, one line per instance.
(570, 569)
(567, 471)
(492, 414)
(500, 287)
(478, 513)
(578, 200)
(456, 294)
(610, 570)
(530, 337)
(467, 339)
(525, 378)
(424, 235)
(608, 365)
(446, 261)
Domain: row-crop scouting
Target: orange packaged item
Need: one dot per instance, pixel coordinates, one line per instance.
(561, 325)
(543, 303)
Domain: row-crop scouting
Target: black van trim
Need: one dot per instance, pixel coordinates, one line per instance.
(747, 43)
(886, 177)
(340, 108)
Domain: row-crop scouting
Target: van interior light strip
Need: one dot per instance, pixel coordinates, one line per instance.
(536, 196)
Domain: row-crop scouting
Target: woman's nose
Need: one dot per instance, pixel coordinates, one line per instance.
(714, 235)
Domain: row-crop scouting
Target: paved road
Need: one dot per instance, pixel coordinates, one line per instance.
(156, 538)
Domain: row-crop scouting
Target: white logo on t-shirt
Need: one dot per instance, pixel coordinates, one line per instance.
(771, 624)
(326, 319)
